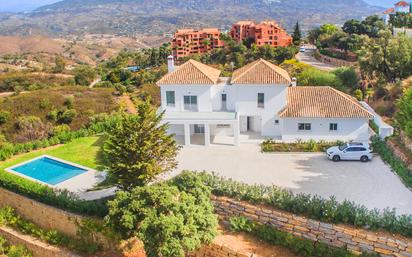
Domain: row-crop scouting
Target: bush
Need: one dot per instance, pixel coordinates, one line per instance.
(397, 165)
(314, 207)
(309, 146)
(315, 77)
(66, 116)
(171, 220)
(300, 246)
(4, 117)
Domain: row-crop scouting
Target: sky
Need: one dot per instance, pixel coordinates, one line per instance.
(27, 5)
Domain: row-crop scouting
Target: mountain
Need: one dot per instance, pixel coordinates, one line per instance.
(23, 5)
(137, 17)
(384, 3)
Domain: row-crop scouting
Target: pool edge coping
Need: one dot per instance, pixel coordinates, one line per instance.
(10, 169)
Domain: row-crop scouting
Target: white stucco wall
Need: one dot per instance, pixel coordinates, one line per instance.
(240, 98)
(201, 91)
(348, 129)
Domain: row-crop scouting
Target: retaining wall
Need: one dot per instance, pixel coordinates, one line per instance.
(45, 216)
(357, 240)
(333, 61)
(219, 250)
(38, 248)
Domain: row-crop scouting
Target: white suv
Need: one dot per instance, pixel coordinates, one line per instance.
(350, 151)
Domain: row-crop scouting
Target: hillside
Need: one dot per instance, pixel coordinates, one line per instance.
(136, 17)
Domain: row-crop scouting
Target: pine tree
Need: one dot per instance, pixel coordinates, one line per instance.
(297, 34)
(138, 148)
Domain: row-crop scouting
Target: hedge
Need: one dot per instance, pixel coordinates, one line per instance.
(397, 165)
(309, 146)
(311, 206)
(302, 247)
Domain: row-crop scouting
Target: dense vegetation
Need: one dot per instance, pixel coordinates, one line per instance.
(315, 207)
(40, 114)
(171, 219)
(22, 81)
(302, 247)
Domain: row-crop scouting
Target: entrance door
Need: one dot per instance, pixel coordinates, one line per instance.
(224, 102)
(249, 123)
(199, 129)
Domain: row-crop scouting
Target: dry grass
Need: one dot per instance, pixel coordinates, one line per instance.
(86, 102)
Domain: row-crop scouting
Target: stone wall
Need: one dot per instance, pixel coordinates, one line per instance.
(219, 250)
(45, 216)
(38, 248)
(357, 240)
(333, 61)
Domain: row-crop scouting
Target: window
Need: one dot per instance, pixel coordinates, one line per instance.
(276, 122)
(170, 98)
(190, 102)
(261, 100)
(304, 126)
(333, 126)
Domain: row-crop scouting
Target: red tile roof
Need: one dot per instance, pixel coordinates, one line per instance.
(402, 3)
(322, 102)
(390, 10)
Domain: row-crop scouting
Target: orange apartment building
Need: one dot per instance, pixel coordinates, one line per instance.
(264, 33)
(188, 42)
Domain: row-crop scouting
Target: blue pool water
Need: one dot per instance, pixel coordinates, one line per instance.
(48, 170)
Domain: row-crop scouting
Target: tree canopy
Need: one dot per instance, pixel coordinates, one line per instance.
(138, 148)
(170, 219)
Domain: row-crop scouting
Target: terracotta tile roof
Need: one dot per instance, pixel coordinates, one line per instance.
(322, 102)
(402, 3)
(260, 72)
(390, 10)
(191, 72)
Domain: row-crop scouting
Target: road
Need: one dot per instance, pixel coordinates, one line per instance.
(308, 58)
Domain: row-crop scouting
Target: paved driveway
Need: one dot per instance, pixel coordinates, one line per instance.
(308, 58)
(371, 184)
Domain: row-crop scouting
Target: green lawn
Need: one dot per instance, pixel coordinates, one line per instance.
(84, 151)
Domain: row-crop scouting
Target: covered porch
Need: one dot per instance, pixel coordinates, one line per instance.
(203, 128)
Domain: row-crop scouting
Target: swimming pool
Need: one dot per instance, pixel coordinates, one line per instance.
(47, 169)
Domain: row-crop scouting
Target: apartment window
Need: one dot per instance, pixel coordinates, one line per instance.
(333, 126)
(190, 102)
(170, 98)
(276, 122)
(304, 126)
(261, 100)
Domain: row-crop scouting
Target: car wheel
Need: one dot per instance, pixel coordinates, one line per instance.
(336, 158)
(364, 158)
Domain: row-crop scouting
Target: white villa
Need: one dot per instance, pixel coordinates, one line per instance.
(259, 100)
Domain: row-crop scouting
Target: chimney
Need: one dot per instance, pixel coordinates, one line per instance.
(294, 82)
(170, 63)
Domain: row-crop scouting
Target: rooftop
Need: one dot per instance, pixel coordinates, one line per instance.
(261, 72)
(322, 102)
(402, 4)
(191, 72)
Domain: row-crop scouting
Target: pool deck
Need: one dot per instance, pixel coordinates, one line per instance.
(78, 184)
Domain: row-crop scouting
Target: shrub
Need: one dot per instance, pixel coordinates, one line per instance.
(309, 146)
(61, 129)
(314, 207)
(170, 221)
(66, 116)
(4, 117)
(300, 246)
(32, 128)
(397, 165)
